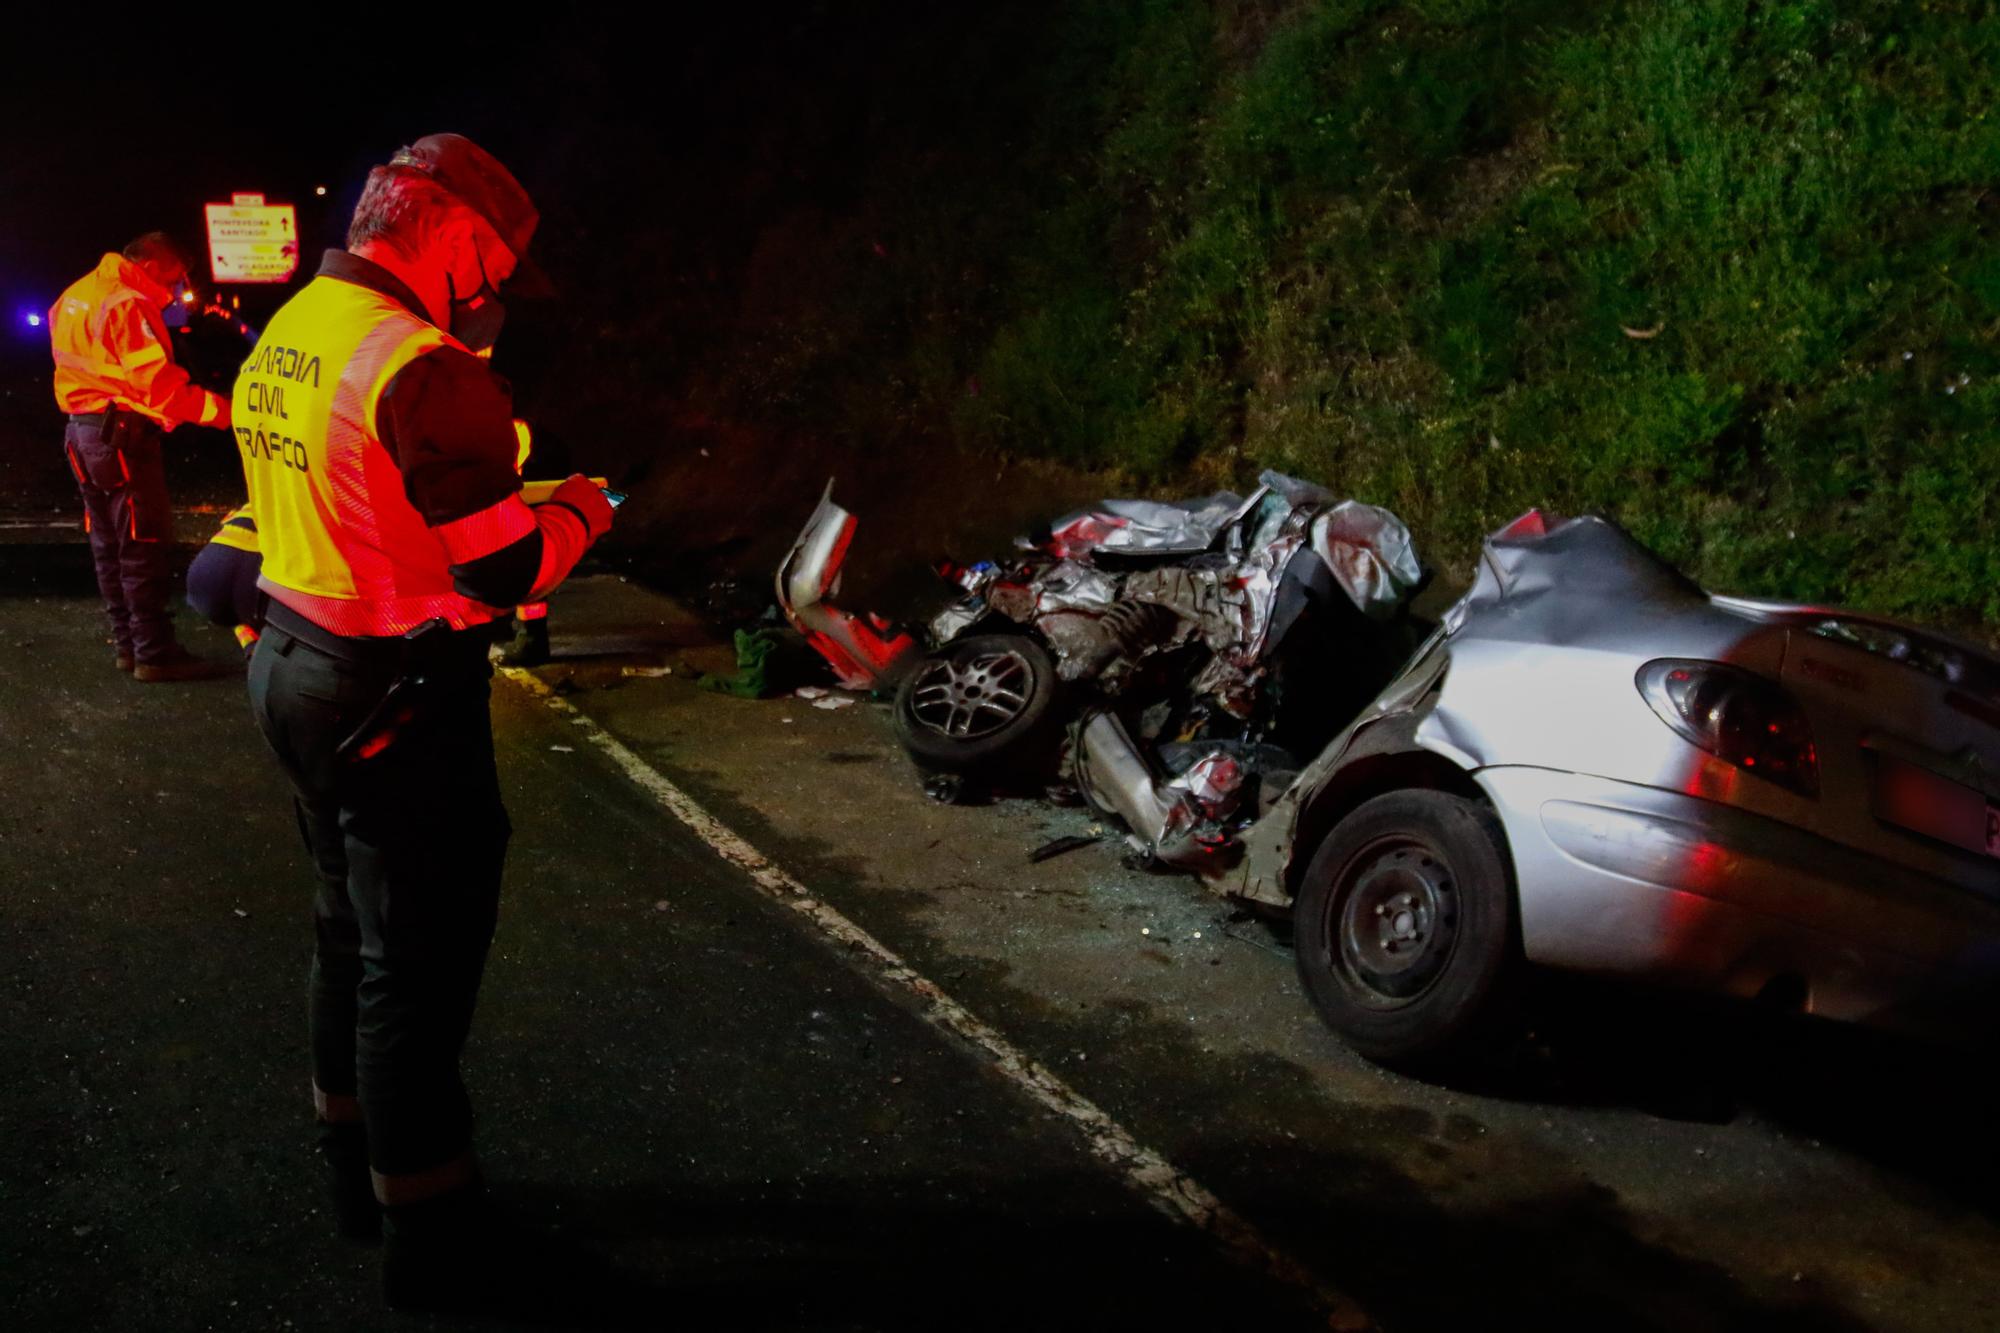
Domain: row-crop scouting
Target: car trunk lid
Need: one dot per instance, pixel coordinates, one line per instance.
(1912, 718)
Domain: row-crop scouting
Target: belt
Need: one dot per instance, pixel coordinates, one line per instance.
(378, 651)
(103, 420)
(360, 652)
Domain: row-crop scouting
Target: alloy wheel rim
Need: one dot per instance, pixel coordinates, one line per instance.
(969, 699)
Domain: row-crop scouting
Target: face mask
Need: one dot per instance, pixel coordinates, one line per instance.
(476, 320)
(176, 314)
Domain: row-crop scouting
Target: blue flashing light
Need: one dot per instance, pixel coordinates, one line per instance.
(34, 321)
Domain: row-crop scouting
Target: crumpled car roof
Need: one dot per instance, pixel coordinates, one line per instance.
(1368, 550)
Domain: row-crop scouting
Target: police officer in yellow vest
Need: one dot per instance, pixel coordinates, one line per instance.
(379, 454)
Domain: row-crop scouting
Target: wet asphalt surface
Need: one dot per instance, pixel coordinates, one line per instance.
(678, 1076)
(671, 1072)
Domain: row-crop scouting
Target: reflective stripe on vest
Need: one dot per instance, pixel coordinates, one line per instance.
(343, 545)
(238, 530)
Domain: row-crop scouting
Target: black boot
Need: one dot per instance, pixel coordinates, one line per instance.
(349, 1190)
(459, 1254)
(431, 1251)
(530, 644)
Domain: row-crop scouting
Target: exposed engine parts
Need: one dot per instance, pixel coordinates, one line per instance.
(1126, 629)
(1160, 658)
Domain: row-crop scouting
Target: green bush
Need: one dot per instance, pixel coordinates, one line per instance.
(1723, 269)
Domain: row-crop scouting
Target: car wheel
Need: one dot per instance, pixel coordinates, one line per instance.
(982, 706)
(1405, 927)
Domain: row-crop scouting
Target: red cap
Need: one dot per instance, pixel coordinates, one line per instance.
(479, 181)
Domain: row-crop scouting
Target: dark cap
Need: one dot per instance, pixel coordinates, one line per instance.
(479, 181)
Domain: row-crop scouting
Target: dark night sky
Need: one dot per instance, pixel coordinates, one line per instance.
(699, 178)
(145, 139)
(102, 146)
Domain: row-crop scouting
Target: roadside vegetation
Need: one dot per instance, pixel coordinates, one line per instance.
(1726, 271)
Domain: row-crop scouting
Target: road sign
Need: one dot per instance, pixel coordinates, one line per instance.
(252, 241)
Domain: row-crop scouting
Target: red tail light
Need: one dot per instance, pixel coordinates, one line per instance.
(1737, 716)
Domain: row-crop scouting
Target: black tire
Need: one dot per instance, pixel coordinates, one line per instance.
(1405, 928)
(983, 706)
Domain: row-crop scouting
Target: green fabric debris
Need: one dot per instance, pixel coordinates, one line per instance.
(768, 662)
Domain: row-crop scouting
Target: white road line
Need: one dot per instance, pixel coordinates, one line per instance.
(1144, 1171)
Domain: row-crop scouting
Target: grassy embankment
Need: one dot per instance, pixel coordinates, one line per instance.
(1727, 271)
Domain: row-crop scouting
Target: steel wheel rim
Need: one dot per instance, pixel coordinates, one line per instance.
(1393, 921)
(974, 698)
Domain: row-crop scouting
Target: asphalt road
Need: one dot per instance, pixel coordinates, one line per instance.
(671, 1071)
(679, 1074)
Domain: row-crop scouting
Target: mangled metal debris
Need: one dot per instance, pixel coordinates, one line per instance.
(1161, 658)
(864, 653)
(1062, 846)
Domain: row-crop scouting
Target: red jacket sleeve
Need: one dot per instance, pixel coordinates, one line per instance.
(448, 421)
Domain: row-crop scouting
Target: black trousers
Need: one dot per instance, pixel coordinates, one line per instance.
(222, 585)
(123, 481)
(408, 843)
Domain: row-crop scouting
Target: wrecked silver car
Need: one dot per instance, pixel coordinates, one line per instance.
(1590, 764)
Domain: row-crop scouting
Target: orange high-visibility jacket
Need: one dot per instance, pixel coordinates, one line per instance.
(110, 345)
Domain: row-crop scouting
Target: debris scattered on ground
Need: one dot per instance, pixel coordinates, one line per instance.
(1189, 651)
(1058, 846)
(811, 692)
(563, 749)
(834, 701)
(647, 671)
(239, 911)
(768, 662)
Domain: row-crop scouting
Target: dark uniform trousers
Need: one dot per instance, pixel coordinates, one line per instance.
(222, 585)
(408, 843)
(123, 479)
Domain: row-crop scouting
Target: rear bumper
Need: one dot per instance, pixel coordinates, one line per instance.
(1639, 881)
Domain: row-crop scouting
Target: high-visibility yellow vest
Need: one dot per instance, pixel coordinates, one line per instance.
(343, 545)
